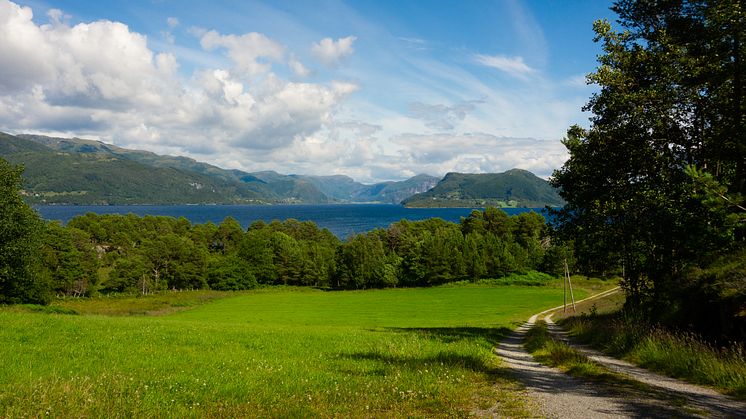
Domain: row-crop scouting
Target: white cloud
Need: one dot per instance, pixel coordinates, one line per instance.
(479, 153)
(298, 68)
(246, 50)
(102, 79)
(330, 52)
(514, 66)
(23, 48)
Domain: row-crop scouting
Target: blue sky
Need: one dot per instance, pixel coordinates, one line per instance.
(376, 90)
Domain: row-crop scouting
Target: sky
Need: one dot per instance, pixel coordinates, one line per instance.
(376, 90)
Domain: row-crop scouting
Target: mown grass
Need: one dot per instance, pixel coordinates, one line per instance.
(269, 353)
(677, 354)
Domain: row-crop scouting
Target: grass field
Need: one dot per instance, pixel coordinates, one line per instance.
(274, 352)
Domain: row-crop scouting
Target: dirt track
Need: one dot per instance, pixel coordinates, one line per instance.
(559, 395)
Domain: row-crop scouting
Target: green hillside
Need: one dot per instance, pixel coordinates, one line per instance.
(75, 177)
(514, 188)
(230, 186)
(79, 171)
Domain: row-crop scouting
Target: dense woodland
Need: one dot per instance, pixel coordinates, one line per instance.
(126, 253)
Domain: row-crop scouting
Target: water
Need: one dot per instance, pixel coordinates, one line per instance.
(342, 220)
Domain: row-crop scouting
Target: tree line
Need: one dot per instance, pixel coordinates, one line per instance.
(95, 254)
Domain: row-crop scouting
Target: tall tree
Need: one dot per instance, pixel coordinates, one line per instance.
(21, 280)
(670, 97)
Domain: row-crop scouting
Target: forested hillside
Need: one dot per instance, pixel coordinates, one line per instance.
(514, 188)
(56, 176)
(74, 171)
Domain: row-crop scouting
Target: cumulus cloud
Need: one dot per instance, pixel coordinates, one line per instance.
(247, 51)
(102, 79)
(514, 66)
(330, 52)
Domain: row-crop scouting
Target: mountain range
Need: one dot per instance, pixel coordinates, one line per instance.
(79, 171)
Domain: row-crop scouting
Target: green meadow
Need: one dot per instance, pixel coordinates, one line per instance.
(270, 352)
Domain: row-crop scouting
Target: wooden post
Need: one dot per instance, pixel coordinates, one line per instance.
(571, 294)
(569, 283)
(564, 287)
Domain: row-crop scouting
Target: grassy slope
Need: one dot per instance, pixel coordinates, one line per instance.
(422, 352)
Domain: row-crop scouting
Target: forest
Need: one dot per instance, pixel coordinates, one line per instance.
(96, 254)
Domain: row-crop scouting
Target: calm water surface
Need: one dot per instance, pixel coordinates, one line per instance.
(343, 219)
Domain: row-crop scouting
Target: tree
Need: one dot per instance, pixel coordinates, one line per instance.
(671, 97)
(70, 260)
(230, 273)
(21, 280)
(363, 263)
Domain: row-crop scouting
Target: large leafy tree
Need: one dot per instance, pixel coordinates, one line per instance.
(21, 280)
(668, 119)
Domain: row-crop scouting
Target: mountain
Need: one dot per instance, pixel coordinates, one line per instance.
(514, 188)
(86, 176)
(79, 171)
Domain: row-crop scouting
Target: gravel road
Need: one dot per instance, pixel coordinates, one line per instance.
(559, 395)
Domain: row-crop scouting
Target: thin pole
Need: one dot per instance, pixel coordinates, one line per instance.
(564, 289)
(567, 272)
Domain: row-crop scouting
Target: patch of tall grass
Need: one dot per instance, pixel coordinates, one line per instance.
(678, 354)
(554, 353)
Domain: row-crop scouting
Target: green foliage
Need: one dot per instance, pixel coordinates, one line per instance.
(70, 260)
(131, 254)
(230, 273)
(364, 263)
(21, 279)
(654, 186)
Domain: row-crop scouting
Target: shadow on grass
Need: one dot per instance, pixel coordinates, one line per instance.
(489, 335)
(484, 336)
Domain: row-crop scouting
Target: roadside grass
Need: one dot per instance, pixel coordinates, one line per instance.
(549, 351)
(554, 353)
(271, 352)
(677, 354)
